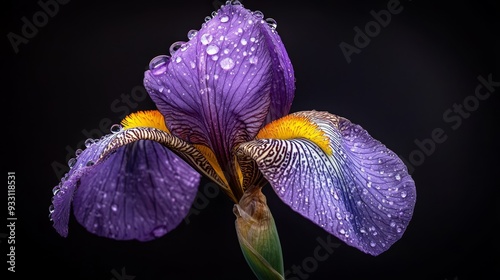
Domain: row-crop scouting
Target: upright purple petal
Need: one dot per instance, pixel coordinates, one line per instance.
(353, 186)
(141, 190)
(221, 86)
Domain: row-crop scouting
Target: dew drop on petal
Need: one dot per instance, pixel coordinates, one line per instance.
(159, 231)
(192, 33)
(224, 19)
(372, 244)
(258, 14)
(90, 163)
(114, 208)
(272, 23)
(158, 65)
(243, 41)
(403, 194)
(212, 49)
(175, 46)
(227, 63)
(178, 59)
(115, 128)
(253, 60)
(78, 152)
(89, 142)
(206, 39)
(71, 162)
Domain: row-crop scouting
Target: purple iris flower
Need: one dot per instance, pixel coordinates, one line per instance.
(223, 101)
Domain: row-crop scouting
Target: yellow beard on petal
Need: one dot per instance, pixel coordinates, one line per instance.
(294, 127)
(151, 118)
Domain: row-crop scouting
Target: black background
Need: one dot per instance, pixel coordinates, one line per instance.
(428, 58)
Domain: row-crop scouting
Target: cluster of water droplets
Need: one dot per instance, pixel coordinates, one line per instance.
(58, 189)
(158, 65)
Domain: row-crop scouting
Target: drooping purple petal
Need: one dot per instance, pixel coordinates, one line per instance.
(218, 88)
(63, 193)
(139, 191)
(142, 191)
(361, 192)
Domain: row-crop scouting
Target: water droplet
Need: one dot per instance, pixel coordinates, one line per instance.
(90, 163)
(215, 57)
(206, 39)
(212, 49)
(258, 14)
(253, 60)
(398, 177)
(89, 142)
(158, 65)
(114, 208)
(178, 59)
(175, 46)
(51, 209)
(224, 19)
(115, 128)
(208, 18)
(55, 190)
(393, 224)
(272, 23)
(71, 162)
(403, 194)
(237, 3)
(227, 63)
(369, 184)
(213, 14)
(78, 152)
(342, 231)
(243, 41)
(192, 33)
(159, 231)
(338, 215)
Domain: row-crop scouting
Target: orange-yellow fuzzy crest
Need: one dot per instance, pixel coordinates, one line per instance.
(294, 127)
(151, 118)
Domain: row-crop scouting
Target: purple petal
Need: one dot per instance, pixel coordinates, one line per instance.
(361, 193)
(142, 191)
(63, 193)
(219, 87)
(127, 194)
